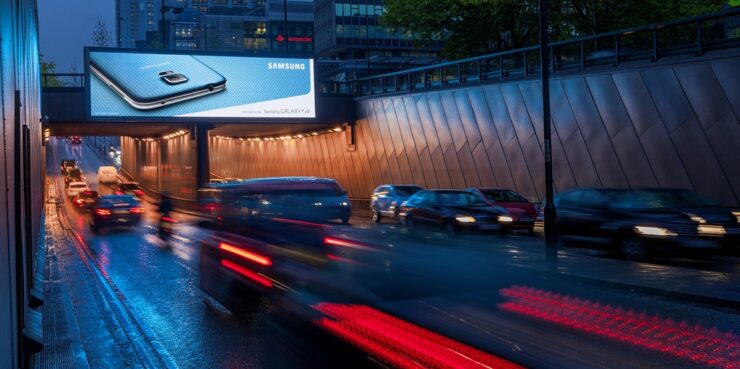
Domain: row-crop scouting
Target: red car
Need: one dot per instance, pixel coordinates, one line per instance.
(522, 213)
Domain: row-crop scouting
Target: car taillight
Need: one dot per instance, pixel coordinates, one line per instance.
(248, 255)
(137, 210)
(139, 192)
(78, 201)
(119, 192)
(102, 212)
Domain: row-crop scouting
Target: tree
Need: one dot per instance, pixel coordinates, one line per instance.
(48, 68)
(101, 35)
(470, 27)
(475, 27)
(587, 17)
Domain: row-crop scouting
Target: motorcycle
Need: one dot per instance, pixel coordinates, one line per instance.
(166, 227)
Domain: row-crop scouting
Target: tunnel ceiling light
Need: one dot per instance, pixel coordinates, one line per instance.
(337, 129)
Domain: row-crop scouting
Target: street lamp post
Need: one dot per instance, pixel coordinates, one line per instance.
(551, 245)
(285, 24)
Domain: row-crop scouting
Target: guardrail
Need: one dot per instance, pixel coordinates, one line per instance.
(694, 35)
(66, 80)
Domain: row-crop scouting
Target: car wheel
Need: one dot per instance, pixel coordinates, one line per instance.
(94, 229)
(632, 249)
(376, 216)
(411, 224)
(450, 229)
(345, 221)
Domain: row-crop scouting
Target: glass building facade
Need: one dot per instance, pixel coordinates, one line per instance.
(256, 26)
(352, 43)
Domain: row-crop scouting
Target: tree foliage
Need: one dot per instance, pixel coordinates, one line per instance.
(101, 35)
(474, 27)
(48, 68)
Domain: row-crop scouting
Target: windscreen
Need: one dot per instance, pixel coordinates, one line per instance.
(459, 199)
(503, 196)
(657, 199)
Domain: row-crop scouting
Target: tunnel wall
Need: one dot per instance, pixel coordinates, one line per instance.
(161, 165)
(21, 174)
(673, 125)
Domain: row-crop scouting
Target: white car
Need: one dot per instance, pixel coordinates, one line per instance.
(76, 187)
(107, 175)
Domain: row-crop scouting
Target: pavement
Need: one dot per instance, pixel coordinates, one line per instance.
(124, 300)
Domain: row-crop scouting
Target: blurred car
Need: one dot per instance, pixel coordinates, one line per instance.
(115, 211)
(451, 211)
(107, 174)
(74, 175)
(209, 199)
(522, 213)
(386, 200)
(67, 164)
(86, 199)
(75, 140)
(75, 188)
(300, 198)
(635, 222)
(129, 188)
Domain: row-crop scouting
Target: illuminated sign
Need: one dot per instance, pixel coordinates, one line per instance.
(281, 38)
(126, 84)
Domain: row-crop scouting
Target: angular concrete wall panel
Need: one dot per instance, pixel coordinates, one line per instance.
(672, 126)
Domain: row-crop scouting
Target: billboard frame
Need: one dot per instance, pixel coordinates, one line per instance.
(195, 120)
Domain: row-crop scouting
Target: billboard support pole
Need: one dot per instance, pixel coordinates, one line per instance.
(202, 156)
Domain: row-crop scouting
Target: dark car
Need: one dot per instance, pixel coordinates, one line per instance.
(86, 199)
(75, 140)
(115, 211)
(67, 164)
(636, 222)
(300, 198)
(386, 200)
(74, 175)
(129, 188)
(451, 211)
(522, 213)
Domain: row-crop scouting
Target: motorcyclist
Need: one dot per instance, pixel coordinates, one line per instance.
(165, 208)
(165, 204)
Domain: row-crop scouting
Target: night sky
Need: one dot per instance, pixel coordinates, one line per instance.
(66, 27)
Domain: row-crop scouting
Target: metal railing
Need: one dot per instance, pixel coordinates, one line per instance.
(66, 80)
(694, 35)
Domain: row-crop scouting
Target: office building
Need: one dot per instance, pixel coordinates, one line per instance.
(256, 26)
(351, 42)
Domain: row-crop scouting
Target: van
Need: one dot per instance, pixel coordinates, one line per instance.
(107, 175)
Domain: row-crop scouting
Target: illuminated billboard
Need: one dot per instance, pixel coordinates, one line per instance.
(137, 85)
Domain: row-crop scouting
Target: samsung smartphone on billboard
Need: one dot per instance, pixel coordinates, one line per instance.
(134, 85)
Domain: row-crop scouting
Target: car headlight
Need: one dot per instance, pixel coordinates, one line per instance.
(265, 202)
(505, 219)
(696, 218)
(654, 231)
(711, 230)
(317, 203)
(344, 203)
(737, 215)
(465, 219)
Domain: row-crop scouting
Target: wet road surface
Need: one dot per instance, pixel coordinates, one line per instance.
(456, 288)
